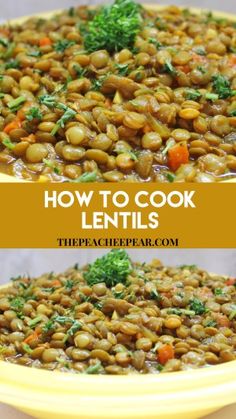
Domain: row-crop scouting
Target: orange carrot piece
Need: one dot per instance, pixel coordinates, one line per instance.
(178, 155)
(222, 320)
(198, 58)
(232, 61)
(165, 353)
(56, 283)
(45, 41)
(231, 281)
(16, 123)
(31, 337)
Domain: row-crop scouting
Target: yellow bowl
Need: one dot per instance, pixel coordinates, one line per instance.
(6, 178)
(189, 394)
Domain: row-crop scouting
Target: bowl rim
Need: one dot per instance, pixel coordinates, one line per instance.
(5, 178)
(198, 374)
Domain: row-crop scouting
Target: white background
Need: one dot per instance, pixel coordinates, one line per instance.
(13, 8)
(13, 262)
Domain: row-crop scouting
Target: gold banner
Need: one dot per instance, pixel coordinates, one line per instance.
(127, 215)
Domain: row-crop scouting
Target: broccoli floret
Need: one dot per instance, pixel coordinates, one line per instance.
(111, 268)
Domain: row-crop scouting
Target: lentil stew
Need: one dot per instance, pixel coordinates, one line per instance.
(119, 317)
(153, 103)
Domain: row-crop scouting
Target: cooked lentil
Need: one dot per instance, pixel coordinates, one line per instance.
(152, 319)
(64, 110)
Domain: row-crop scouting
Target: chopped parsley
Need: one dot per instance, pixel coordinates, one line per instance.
(155, 42)
(34, 113)
(12, 64)
(67, 116)
(211, 96)
(170, 177)
(190, 267)
(119, 294)
(192, 94)
(112, 268)
(218, 291)
(69, 284)
(27, 348)
(32, 323)
(80, 71)
(155, 295)
(51, 164)
(123, 69)
(15, 104)
(114, 27)
(94, 369)
(86, 177)
(61, 45)
(202, 69)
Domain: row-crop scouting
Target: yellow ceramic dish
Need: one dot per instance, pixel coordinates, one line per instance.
(6, 178)
(187, 394)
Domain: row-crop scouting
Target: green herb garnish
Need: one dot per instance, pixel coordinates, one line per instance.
(155, 42)
(112, 268)
(197, 306)
(169, 68)
(12, 64)
(123, 69)
(94, 369)
(80, 71)
(27, 348)
(211, 96)
(32, 323)
(221, 86)
(114, 27)
(190, 267)
(61, 45)
(34, 113)
(51, 164)
(7, 142)
(86, 177)
(218, 291)
(192, 94)
(170, 177)
(118, 294)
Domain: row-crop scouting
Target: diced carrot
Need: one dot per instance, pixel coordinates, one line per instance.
(232, 61)
(31, 337)
(222, 320)
(185, 68)
(30, 138)
(45, 41)
(56, 283)
(21, 114)
(16, 123)
(178, 155)
(165, 353)
(108, 103)
(198, 58)
(231, 281)
(5, 31)
(147, 128)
